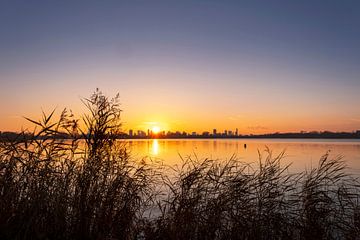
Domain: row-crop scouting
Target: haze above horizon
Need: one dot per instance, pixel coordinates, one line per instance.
(258, 66)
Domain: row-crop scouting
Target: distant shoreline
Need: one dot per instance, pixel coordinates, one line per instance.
(220, 138)
(308, 135)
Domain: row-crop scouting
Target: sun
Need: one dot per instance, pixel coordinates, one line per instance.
(155, 129)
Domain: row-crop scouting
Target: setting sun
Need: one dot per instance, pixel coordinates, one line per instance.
(155, 129)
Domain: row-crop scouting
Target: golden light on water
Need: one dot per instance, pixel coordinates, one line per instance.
(155, 147)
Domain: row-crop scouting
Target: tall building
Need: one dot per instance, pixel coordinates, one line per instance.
(237, 132)
(214, 132)
(141, 133)
(131, 132)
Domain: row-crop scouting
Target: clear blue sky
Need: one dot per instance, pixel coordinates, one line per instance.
(261, 66)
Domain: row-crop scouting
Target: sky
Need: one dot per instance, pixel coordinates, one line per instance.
(259, 66)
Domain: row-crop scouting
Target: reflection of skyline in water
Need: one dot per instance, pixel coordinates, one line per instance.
(301, 154)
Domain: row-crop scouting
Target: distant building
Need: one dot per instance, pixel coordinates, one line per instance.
(131, 133)
(214, 132)
(193, 133)
(141, 133)
(206, 134)
(225, 133)
(237, 132)
(230, 133)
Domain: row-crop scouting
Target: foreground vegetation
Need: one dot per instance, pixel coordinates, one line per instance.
(93, 189)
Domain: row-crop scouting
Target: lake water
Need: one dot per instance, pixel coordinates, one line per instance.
(302, 153)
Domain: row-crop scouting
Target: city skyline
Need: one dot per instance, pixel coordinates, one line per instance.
(149, 134)
(156, 131)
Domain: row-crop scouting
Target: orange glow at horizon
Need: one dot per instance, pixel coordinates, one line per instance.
(155, 129)
(247, 123)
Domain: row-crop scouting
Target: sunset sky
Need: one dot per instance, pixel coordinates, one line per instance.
(260, 66)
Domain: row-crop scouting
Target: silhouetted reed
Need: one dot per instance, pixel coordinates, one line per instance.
(209, 199)
(90, 187)
(56, 189)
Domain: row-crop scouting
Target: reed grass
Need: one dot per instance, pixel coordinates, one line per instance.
(91, 188)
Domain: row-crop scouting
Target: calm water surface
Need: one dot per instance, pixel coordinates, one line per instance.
(303, 154)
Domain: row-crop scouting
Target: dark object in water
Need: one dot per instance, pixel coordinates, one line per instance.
(245, 145)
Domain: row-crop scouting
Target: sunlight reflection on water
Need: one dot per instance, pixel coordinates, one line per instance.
(302, 154)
